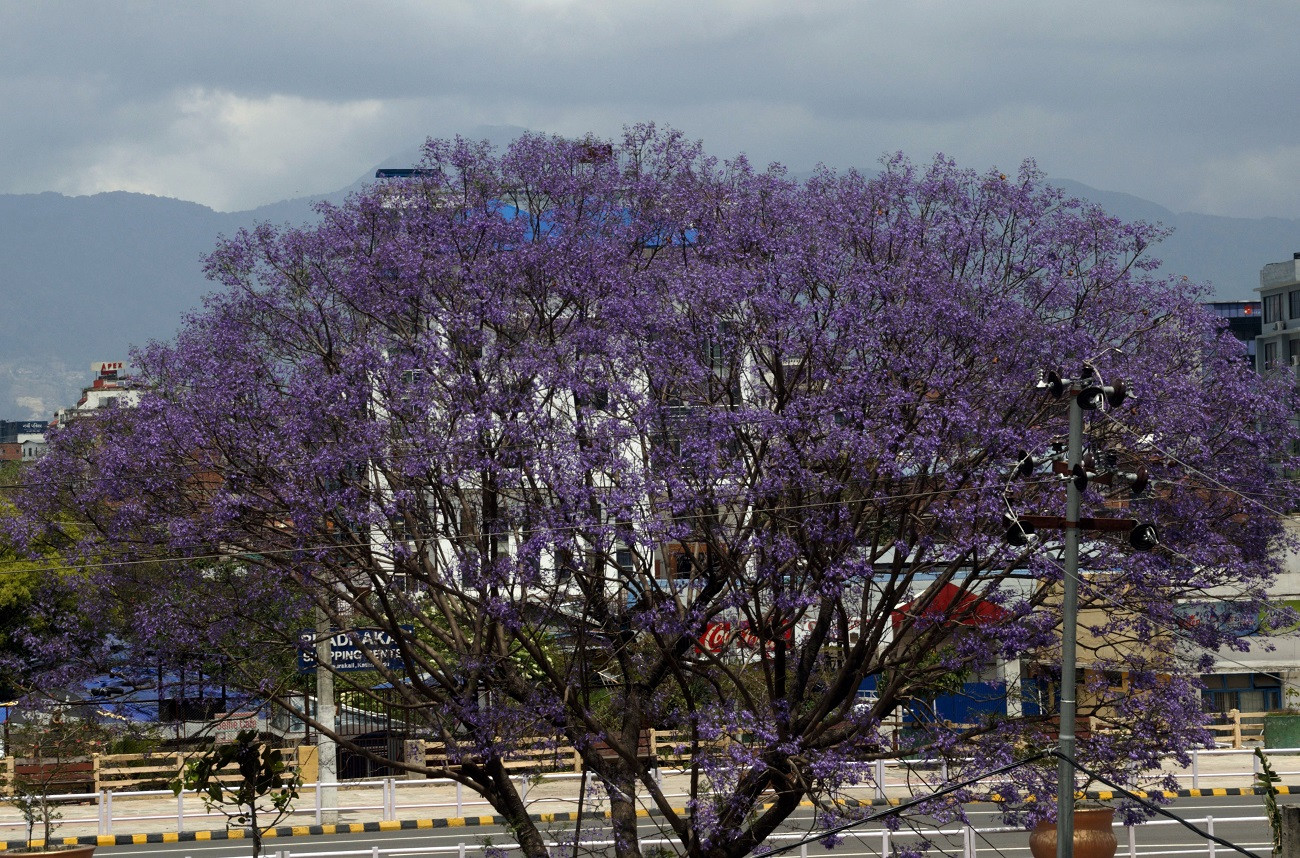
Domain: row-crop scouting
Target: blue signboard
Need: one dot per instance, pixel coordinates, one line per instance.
(354, 649)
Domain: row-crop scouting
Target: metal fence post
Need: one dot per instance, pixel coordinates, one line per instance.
(180, 811)
(1290, 831)
(880, 779)
(318, 802)
(1196, 768)
(1209, 829)
(1132, 841)
(459, 810)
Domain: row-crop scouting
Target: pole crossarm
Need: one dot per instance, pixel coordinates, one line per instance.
(1060, 522)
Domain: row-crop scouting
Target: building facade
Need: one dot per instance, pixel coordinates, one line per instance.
(1259, 679)
(1278, 343)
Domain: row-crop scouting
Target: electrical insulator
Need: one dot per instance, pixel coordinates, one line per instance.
(1144, 537)
(1018, 533)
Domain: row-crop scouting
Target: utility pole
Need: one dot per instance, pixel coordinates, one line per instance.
(1084, 395)
(1069, 639)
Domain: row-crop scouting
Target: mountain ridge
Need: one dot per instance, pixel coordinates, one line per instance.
(86, 277)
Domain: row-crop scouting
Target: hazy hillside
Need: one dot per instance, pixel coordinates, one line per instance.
(1224, 252)
(84, 278)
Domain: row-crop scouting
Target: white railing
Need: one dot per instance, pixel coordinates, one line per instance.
(391, 799)
(1274, 755)
(973, 842)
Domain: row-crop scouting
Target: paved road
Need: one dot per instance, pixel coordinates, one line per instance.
(1152, 839)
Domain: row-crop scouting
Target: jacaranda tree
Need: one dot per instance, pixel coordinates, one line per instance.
(612, 437)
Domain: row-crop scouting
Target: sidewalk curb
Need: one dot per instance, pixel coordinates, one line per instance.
(284, 831)
(312, 830)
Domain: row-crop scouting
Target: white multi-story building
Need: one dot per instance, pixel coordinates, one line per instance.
(1263, 677)
(1278, 345)
(109, 388)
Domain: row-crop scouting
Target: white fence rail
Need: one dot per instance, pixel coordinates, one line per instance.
(972, 842)
(393, 799)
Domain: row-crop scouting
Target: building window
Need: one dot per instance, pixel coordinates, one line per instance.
(1272, 308)
(1245, 692)
(1293, 304)
(1234, 309)
(1270, 355)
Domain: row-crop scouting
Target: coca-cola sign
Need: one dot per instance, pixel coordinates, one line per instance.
(716, 637)
(720, 636)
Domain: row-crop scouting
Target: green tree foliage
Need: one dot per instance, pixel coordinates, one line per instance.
(245, 780)
(20, 578)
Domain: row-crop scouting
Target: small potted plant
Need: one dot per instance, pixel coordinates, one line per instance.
(53, 753)
(1094, 835)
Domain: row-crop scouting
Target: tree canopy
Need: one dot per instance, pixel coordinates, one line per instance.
(620, 436)
(32, 601)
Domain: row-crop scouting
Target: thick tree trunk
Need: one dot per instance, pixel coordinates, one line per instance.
(622, 815)
(501, 792)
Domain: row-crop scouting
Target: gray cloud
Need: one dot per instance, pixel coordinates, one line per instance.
(1186, 102)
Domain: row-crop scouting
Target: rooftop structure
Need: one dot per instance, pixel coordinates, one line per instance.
(110, 387)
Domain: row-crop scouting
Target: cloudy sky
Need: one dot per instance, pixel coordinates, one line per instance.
(1189, 103)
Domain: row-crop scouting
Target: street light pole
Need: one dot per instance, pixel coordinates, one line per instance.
(326, 750)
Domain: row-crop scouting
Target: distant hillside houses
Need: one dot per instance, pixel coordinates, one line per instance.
(24, 440)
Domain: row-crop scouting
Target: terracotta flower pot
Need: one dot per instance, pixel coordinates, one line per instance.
(1093, 835)
(78, 851)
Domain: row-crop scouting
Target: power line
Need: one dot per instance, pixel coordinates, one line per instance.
(576, 529)
(1160, 810)
(1193, 469)
(645, 435)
